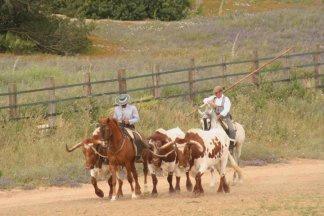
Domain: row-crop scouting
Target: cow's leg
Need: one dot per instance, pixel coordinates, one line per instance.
(120, 188)
(198, 186)
(177, 174)
(212, 177)
(98, 191)
(145, 171)
(223, 186)
(188, 182)
(154, 181)
(169, 178)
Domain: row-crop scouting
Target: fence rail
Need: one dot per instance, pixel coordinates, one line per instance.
(156, 85)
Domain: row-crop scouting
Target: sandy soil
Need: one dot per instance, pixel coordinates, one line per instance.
(293, 188)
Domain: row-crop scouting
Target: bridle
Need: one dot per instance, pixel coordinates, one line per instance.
(103, 131)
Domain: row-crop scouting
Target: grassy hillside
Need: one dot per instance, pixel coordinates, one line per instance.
(281, 121)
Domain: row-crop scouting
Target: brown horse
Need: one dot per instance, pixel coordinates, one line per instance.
(121, 152)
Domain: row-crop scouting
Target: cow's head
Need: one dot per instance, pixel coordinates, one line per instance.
(90, 147)
(189, 148)
(157, 140)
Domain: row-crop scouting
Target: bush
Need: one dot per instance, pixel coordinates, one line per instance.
(166, 10)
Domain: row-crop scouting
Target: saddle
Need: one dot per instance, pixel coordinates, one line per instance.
(137, 140)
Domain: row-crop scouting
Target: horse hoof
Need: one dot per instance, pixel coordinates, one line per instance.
(134, 196)
(113, 199)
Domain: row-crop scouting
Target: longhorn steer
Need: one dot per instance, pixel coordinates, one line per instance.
(162, 158)
(203, 150)
(96, 157)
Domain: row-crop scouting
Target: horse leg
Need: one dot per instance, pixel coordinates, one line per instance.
(130, 180)
(110, 186)
(188, 182)
(114, 182)
(169, 178)
(95, 186)
(120, 190)
(135, 176)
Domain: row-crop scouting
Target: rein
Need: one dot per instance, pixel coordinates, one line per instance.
(121, 147)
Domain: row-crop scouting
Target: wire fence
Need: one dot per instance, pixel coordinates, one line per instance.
(194, 80)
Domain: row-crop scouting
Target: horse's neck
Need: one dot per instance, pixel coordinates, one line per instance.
(215, 124)
(116, 135)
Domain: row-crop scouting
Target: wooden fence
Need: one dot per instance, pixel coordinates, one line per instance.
(156, 84)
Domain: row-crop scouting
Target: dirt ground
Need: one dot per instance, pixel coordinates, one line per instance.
(292, 188)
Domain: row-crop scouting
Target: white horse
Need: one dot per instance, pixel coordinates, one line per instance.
(208, 121)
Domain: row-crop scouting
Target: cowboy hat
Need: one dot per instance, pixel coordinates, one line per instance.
(122, 99)
(217, 89)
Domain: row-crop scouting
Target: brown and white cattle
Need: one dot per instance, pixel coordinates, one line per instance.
(204, 150)
(208, 121)
(164, 159)
(96, 162)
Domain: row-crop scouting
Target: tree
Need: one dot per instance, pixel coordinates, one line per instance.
(31, 23)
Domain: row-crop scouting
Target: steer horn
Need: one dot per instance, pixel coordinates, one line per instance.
(200, 148)
(73, 148)
(167, 145)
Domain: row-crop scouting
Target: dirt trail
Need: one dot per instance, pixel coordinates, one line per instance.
(293, 188)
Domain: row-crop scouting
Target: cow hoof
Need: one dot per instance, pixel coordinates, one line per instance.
(189, 188)
(154, 194)
(171, 190)
(99, 193)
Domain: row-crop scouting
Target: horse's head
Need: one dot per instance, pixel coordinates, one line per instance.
(206, 117)
(107, 127)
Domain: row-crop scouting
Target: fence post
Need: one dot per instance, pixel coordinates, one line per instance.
(87, 94)
(51, 104)
(12, 90)
(255, 65)
(191, 79)
(156, 81)
(287, 67)
(122, 81)
(224, 68)
(316, 59)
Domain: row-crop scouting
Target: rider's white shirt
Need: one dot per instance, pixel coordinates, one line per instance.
(218, 102)
(129, 112)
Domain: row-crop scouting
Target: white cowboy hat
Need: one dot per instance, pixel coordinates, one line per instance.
(122, 99)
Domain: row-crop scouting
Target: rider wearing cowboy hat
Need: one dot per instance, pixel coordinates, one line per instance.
(125, 113)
